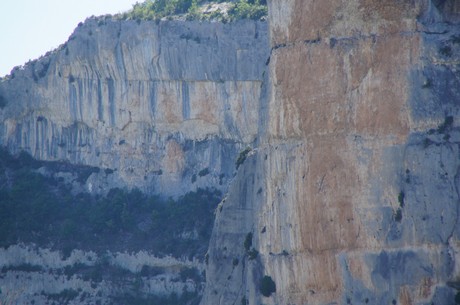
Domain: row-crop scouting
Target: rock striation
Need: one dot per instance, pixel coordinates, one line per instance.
(155, 103)
(162, 106)
(350, 192)
(37, 275)
(351, 195)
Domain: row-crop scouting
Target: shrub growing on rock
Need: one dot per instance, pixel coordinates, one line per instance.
(267, 286)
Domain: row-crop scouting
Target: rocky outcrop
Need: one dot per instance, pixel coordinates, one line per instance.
(351, 196)
(162, 106)
(154, 102)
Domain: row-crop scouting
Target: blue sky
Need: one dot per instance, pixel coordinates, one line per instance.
(30, 28)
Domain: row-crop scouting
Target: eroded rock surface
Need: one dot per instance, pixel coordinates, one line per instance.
(353, 190)
(164, 107)
(156, 102)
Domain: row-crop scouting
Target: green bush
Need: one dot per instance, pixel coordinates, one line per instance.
(151, 10)
(203, 172)
(64, 296)
(247, 9)
(253, 253)
(267, 286)
(446, 125)
(154, 10)
(23, 268)
(242, 157)
(149, 271)
(446, 50)
(401, 197)
(193, 12)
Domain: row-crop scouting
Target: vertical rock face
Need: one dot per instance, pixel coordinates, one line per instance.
(351, 196)
(161, 106)
(156, 103)
(165, 107)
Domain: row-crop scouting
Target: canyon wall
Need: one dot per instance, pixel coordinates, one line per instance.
(351, 195)
(349, 192)
(164, 106)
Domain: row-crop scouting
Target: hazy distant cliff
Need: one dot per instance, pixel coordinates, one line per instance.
(352, 195)
(156, 102)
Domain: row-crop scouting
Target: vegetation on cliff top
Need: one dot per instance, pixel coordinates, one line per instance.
(219, 10)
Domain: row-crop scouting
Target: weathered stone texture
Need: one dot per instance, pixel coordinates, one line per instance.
(357, 192)
(350, 192)
(123, 95)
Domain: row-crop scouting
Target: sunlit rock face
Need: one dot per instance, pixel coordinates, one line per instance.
(165, 107)
(154, 102)
(351, 195)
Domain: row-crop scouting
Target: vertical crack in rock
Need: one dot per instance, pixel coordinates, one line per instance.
(346, 119)
(193, 86)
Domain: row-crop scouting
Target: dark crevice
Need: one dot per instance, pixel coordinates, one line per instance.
(435, 33)
(334, 40)
(313, 41)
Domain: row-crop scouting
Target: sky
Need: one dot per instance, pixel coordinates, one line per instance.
(30, 28)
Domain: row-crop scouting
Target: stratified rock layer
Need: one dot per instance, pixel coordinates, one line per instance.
(351, 196)
(162, 106)
(156, 102)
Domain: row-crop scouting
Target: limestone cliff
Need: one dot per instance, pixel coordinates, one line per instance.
(155, 102)
(162, 106)
(351, 195)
